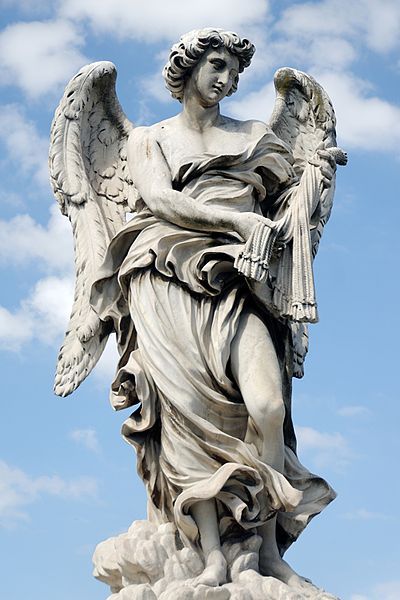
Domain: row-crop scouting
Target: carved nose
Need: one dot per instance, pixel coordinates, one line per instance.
(223, 79)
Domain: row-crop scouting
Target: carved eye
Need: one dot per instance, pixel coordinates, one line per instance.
(218, 64)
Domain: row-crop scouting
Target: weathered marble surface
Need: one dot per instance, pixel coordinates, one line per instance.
(146, 563)
(209, 287)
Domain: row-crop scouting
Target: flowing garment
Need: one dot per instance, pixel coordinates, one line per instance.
(176, 299)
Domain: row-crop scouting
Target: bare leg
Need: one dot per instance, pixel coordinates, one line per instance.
(205, 515)
(256, 370)
(271, 563)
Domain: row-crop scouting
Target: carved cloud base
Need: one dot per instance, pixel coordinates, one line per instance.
(149, 563)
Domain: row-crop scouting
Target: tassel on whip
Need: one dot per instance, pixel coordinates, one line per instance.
(253, 261)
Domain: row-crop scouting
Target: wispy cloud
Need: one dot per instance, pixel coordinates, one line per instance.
(388, 590)
(313, 36)
(87, 438)
(363, 514)
(366, 121)
(104, 371)
(18, 489)
(353, 411)
(25, 148)
(50, 305)
(154, 86)
(374, 25)
(24, 242)
(30, 7)
(256, 105)
(43, 315)
(16, 329)
(325, 449)
(39, 56)
(136, 20)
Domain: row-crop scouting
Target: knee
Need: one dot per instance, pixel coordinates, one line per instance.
(275, 411)
(270, 414)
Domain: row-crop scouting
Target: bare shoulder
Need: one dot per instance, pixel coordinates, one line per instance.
(138, 140)
(152, 133)
(250, 127)
(258, 127)
(143, 148)
(138, 135)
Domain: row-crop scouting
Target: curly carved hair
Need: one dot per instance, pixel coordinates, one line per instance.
(188, 51)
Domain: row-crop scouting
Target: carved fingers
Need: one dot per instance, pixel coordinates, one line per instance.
(325, 161)
(245, 223)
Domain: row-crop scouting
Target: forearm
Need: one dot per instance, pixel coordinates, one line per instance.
(180, 209)
(152, 178)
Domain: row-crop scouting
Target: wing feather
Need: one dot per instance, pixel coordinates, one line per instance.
(304, 118)
(89, 177)
(303, 115)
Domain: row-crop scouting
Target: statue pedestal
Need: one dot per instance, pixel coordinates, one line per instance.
(150, 563)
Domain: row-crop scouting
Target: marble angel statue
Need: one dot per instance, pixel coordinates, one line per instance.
(208, 285)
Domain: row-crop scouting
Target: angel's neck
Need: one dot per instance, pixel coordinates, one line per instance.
(199, 117)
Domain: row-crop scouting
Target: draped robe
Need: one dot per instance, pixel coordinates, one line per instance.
(176, 301)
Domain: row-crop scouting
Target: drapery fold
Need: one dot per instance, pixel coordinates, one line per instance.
(176, 299)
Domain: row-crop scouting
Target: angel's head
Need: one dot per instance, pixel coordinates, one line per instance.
(192, 48)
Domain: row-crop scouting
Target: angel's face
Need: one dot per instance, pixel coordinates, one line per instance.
(213, 76)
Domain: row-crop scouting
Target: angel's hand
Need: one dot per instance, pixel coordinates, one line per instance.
(326, 162)
(244, 223)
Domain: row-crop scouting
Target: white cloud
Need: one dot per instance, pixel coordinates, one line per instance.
(49, 306)
(325, 449)
(23, 242)
(136, 19)
(365, 121)
(375, 24)
(327, 51)
(353, 411)
(106, 367)
(154, 85)
(86, 437)
(256, 105)
(27, 150)
(11, 198)
(38, 56)
(311, 438)
(18, 489)
(29, 6)
(43, 315)
(365, 515)
(314, 36)
(16, 328)
(310, 19)
(390, 590)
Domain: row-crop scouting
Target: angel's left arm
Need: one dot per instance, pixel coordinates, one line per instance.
(152, 178)
(283, 194)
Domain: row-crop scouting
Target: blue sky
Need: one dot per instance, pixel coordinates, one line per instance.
(67, 480)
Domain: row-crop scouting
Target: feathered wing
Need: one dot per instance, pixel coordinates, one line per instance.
(90, 180)
(304, 118)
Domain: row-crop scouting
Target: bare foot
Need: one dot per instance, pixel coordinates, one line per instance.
(278, 568)
(214, 573)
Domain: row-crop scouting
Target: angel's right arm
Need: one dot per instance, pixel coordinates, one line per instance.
(152, 178)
